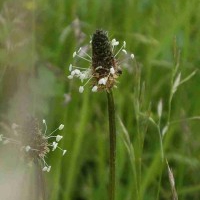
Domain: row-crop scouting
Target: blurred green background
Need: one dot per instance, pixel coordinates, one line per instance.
(37, 40)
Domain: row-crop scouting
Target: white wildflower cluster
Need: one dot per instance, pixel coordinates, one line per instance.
(53, 145)
(39, 145)
(87, 74)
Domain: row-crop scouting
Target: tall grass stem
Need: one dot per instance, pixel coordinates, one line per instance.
(112, 132)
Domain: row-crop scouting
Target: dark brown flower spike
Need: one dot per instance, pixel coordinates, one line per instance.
(33, 142)
(104, 68)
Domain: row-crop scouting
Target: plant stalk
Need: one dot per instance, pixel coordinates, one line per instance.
(112, 132)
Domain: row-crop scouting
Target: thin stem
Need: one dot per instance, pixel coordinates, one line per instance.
(112, 130)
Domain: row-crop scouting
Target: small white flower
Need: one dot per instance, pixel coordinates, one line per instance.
(44, 169)
(74, 54)
(27, 148)
(70, 67)
(64, 152)
(55, 144)
(132, 56)
(48, 169)
(70, 77)
(94, 89)
(58, 138)
(112, 70)
(81, 89)
(61, 127)
(43, 121)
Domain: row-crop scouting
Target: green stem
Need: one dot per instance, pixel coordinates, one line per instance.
(112, 130)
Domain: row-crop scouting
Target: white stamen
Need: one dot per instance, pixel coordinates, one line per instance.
(27, 148)
(112, 70)
(79, 49)
(44, 169)
(99, 67)
(81, 89)
(73, 72)
(70, 67)
(58, 138)
(61, 127)
(44, 122)
(124, 51)
(77, 71)
(55, 144)
(102, 81)
(132, 56)
(94, 89)
(124, 44)
(48, 169)
(64, 152)
(74, 54)
(70, 77)
(114, 42)
(84, 58)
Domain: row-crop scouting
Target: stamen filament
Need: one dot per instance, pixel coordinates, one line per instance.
(84, 58)
(119, 50)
